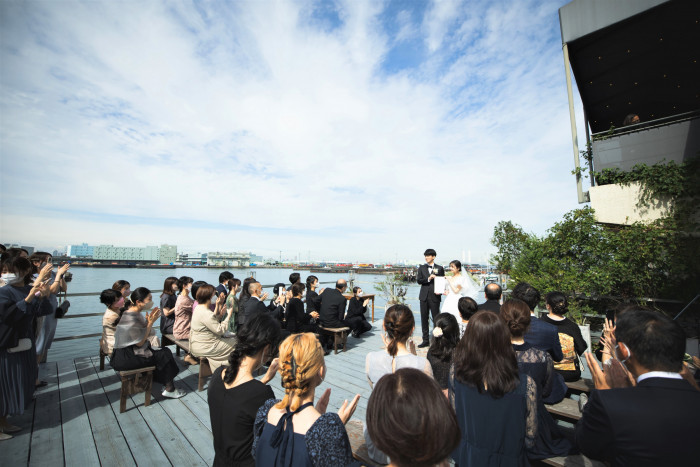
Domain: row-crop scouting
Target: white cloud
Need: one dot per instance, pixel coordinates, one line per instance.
(249, 117)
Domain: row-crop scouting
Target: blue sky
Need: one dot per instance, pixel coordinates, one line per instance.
(353, 129)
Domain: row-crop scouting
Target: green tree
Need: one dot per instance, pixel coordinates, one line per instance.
(509, 239)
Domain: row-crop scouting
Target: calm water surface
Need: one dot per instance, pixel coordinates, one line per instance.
(98, 279)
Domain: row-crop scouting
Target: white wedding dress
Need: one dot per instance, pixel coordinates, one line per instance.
(469, 289)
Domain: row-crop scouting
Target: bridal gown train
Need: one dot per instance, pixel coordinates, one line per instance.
(469, 289)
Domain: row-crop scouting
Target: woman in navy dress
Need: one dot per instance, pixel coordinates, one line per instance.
(292, 432)
(496, 406)
(537, 364)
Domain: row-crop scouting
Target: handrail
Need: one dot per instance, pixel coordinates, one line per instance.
(686, 307)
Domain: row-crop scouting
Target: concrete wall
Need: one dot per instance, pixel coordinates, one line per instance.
(617, 204)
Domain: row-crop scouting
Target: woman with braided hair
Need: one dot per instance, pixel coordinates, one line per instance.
(235, 395)
(292, 432)
(398, 328)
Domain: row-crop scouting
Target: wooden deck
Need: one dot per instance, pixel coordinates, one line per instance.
(75, 420)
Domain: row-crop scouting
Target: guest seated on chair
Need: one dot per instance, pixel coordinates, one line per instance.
(655, 422)
(292, 431)
(207, 334)
(355, 317)
(132, 346)
(570, 338)
(110, 319)
(235, 395)
(496, 406)
(401, 426)
(333, 305)
(398, 326)
(467, 308)
(537, 364)
(168, 299)
(124, 288)
(232, 304)
(493, 293)
(313, 301)
(184, 307)
(297, 320)
(445, 338)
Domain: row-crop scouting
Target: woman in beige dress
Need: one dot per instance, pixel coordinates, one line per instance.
(209, 336)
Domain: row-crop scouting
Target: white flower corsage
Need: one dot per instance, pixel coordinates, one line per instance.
(437, 331)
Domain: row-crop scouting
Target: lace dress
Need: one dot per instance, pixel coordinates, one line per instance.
(325, 443)
(538, 365)
(494, 431)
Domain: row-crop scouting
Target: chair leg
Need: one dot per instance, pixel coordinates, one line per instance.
(149, 384)
(122, 398)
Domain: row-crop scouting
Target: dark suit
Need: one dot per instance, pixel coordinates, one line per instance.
(544, 336)
(490, 305)
(332, 310)
(221, 289)
(252, 307)
(655, 423)
(427, 297)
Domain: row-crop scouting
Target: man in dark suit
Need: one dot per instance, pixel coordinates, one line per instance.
(222, 288)
(493, 293)
(429, 300)
(655, 422)
(333, 303)
(541, 335)
(254, 305)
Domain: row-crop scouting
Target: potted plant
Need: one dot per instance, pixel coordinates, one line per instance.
(393, 289)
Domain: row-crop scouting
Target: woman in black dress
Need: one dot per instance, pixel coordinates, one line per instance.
(355, 317)
(297, 320)
(167, 305)
(132, 343)
(537, 364)
(235, 395)
(445, 339)
(313, 300)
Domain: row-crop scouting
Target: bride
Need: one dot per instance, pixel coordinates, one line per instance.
(458, 285)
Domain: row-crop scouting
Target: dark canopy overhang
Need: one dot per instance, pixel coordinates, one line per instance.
(636, 56)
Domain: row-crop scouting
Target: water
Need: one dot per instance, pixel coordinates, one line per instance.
(97, 279)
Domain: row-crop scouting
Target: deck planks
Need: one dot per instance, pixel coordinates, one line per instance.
(47, 435)
(111, 445)
(143, 445)
(79, 445)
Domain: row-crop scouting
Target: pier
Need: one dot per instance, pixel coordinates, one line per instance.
(75, 420)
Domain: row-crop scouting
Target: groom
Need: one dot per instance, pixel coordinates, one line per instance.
(427, 296)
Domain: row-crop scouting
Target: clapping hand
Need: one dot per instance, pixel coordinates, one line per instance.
(346, 410)
(271, 371)
(314, 314)
(366, 302)
(322, 403)
(45, 273)
(62, 270)
(153, 316)
(264, 296)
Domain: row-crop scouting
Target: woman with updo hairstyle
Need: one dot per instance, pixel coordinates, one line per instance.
(445, 339)
(184, 308)
(401, 426)
(398, 328)
(114, 302)
(572, 342)
(122, 286)
(496, 406)
(209, 337)
(136, 345)
(235, 395)
(292, 432)
(537, 364)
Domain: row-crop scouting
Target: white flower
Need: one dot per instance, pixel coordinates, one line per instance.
(437, 331)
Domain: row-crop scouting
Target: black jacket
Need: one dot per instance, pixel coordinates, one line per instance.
(654, 423)
(490, 305)
(427, 288)
(332, 310)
